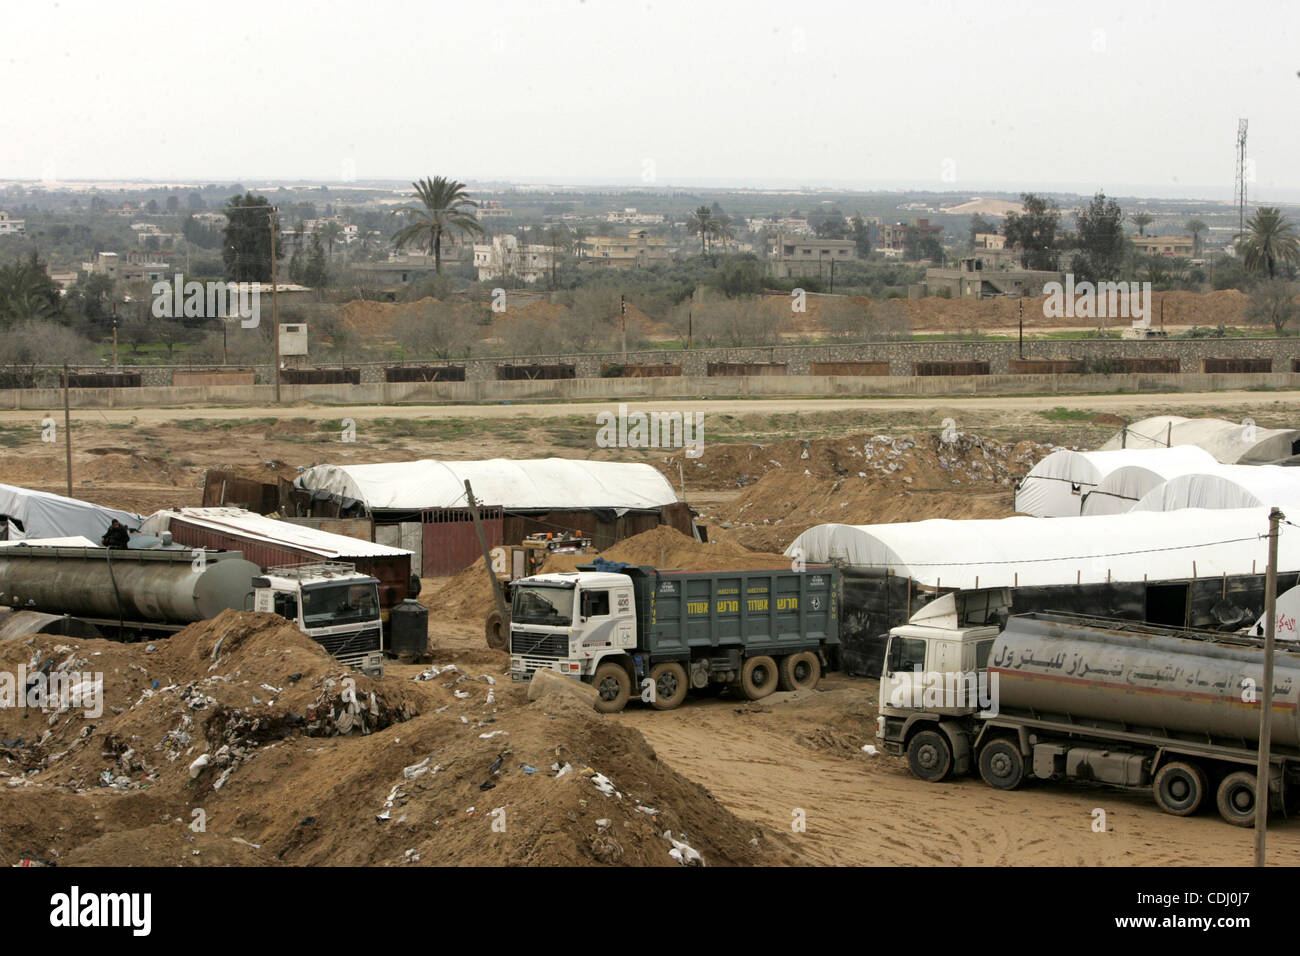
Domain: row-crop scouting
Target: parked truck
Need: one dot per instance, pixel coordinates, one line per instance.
(146, 593)
(1051, 696)
(666, 633)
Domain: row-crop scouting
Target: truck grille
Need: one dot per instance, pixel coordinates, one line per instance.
(539, 645)
(348, 645)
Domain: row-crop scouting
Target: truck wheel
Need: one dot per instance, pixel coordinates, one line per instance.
(800, 671)
(614, 686)
(1236, 798)
(496, 632)
(670, 685)
(758, 677)
(1001, 765)
(1179, 788)
(930, 755)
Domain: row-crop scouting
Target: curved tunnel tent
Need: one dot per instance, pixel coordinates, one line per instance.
(1059, 485)
(1121, 490)
(1230, 443)
(1015, 552)
(1226, 487)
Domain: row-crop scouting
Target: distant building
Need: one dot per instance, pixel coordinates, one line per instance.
(633, 218)
(990, 240)
(635, 250)
(1163, 245)
(506, 257)
(492, 209)
(12, 227)
(798, 257)
(975, 278)
(895, 236)
(135, 267)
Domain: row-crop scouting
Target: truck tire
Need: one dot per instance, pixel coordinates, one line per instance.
(1236, 798)
(758, 677)
(1180, 788)
(800, 671)
(929, 755)
(1001, 765)
(670, 685)
(496, 632)
(614, 687)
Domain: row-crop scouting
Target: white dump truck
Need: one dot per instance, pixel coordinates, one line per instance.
(1052, 696)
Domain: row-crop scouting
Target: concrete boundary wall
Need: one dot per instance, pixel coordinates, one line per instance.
(640, 389)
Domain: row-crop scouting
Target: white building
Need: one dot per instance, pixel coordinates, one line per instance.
(630, 216)
(506, 257)
(12, 227)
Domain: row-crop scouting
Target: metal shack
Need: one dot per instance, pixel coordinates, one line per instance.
(1190, 568)
(268, 543)
(424, 501)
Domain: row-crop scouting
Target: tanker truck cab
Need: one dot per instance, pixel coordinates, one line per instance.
(333, 604)
(570, 621)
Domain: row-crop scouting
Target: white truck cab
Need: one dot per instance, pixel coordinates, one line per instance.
(569, 621)
(330, 602)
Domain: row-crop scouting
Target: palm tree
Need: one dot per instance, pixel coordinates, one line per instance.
(1195, 227)
(701, 221)
(1268, 240)
(445, 209)
(1142, 220)
(332, 233)
(720, 228)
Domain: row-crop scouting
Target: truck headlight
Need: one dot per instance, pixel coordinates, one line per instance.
(880, 726)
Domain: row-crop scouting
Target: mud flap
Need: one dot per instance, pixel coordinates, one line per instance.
(961, 756)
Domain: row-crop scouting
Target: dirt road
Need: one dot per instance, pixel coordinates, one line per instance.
(766, 762)
(1173, 401)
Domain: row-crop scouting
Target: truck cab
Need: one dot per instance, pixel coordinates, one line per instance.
(569, 621)
(333, 604)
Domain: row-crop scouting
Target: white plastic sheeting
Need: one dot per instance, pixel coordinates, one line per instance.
(1229, 442)
(44, 515)
(1119, 491)
(271, 530)
(1020, 551)
(539, 484)
(1057, 486)
(75, 541)
(1226, 486)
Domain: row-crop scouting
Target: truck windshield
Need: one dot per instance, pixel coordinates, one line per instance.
(325, 605)
(540, 604)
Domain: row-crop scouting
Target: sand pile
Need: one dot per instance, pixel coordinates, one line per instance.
(238, 741)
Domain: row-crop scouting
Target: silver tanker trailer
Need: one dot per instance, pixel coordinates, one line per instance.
(1059, 696)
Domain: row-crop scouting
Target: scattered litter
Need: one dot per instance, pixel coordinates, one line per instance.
(682, 852)
(870, 750)
(492, 733)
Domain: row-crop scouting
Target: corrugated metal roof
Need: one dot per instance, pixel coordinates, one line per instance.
(270, 530)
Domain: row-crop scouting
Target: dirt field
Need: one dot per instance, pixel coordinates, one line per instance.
(727, 777)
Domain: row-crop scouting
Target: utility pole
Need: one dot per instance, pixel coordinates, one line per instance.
(487, 556)
(622, 309)
(275, 310)
(832, 277)
(1266, 701)
(1022, 327)
(115, 366)
(67, 427)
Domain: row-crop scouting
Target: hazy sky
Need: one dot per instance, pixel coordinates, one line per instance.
(948, 95)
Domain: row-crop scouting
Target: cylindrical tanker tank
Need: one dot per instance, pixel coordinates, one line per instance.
(165, 587)
(1143, 677)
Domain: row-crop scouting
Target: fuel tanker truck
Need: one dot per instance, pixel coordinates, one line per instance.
(145, 593)
(1051, 696)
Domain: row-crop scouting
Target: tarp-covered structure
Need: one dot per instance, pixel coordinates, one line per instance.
(536, 485)
(1020, 551)
(1230, 443)
(1226, 486)
(1120, 490)
(1059, 484)
(40, 514)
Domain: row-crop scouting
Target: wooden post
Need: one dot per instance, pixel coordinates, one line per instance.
(67, 427)
(275, 309)
(487, 556)
(1266, 701)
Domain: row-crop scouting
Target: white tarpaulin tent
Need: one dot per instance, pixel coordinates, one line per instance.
(43, 515)
(540, 484)
(1021, 552)
(1057, 485)
(1119, 491)
(1226, 486)
(1229, 442)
